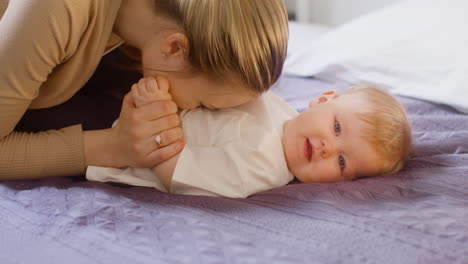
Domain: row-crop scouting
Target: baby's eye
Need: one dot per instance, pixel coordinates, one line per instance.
(341, 162)
(337, 128)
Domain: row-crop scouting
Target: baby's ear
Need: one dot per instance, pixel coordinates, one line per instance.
(324, 97)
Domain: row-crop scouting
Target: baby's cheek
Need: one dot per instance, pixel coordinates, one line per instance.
(325, 171)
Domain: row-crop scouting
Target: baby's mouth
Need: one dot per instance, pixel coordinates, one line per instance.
(308, 150)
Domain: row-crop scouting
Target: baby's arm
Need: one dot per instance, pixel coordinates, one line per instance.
(149, 90)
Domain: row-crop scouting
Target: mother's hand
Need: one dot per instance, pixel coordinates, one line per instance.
(134, 135)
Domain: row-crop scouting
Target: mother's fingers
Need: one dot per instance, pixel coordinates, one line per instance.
(169, 136)
(164, 153)
(154, 110)
(162, 124)
(142, 135)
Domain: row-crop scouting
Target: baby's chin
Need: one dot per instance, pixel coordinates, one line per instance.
(297, 174)
(304, 178)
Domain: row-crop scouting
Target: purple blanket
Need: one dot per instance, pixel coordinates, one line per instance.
(419, 215)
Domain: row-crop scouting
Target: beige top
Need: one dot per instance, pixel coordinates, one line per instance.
(232, 152)
(48, 51)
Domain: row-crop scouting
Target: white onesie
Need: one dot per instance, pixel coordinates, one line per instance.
(233, 152)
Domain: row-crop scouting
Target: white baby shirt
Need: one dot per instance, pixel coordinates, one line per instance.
(233, 152)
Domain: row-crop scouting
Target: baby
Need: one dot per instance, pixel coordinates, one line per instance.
(266, 143)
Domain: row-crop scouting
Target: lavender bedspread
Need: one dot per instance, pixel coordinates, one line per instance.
(417, 216)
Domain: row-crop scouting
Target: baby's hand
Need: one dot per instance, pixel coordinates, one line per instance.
(149, 90)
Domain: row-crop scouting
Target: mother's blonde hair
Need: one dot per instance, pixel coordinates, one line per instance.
(244, 38)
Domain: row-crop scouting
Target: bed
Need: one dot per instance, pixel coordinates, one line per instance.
(418, 215)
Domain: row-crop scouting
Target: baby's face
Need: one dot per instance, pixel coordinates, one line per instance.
(326, 143)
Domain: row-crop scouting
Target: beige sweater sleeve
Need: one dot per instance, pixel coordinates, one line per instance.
(34, 41)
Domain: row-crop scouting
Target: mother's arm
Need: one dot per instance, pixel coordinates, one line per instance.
(30, 48)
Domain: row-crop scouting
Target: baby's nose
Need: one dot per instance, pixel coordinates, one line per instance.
(327, 148)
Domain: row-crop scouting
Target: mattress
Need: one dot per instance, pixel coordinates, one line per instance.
(418, 215)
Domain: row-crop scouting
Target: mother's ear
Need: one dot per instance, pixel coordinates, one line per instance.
(174, 48)
(324, 97)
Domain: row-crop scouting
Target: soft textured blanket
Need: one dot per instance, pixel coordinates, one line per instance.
(417, 216)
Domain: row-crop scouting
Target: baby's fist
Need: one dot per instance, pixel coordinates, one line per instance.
(149, 90)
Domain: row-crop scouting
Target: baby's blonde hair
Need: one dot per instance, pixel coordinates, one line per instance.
(388, 130)
(244, 38)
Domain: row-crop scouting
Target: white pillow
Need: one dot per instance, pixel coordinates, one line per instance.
(416, 48)
(302, 34)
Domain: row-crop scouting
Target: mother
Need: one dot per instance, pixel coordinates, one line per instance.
(215, 53)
